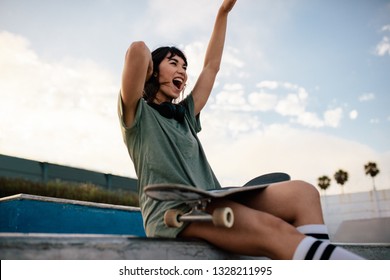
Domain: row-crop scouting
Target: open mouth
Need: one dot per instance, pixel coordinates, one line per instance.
(178, 83)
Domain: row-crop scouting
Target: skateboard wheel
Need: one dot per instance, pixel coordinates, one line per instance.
(171, 218)
(223, 217)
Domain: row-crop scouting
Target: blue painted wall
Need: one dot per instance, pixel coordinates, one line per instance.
(35, 216)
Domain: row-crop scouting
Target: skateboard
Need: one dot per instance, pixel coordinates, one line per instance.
(198, 200)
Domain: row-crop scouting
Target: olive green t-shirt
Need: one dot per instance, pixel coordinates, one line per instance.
(165, 151)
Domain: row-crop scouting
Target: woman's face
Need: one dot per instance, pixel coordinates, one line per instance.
(172, 78)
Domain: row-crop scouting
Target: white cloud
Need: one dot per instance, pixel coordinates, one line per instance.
(333, 117)
(227, 125)
(261, 101)
(286, 99)
(195, 56)
(231, 100)
(367, 97)
(290, 86)
(353, 115)
(383, 47)
(374, 121)
(309, 119)
(62, 111)
(302, 93)
(303, 154)
(291, 105)
(385, 28)
(231, 64)
(268, 84)
(234, 87)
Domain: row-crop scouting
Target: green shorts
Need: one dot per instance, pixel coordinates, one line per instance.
(155, 226)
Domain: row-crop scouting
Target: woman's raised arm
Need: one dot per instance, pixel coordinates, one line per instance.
(213, 57)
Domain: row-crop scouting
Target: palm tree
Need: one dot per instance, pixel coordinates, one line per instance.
(324, 182)
(341, 177)
(372, 170)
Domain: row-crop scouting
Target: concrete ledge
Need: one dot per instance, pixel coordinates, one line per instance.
(23, 196)
(17, 246)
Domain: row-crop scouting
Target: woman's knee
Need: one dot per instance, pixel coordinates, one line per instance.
(305, 190)
(307, 204)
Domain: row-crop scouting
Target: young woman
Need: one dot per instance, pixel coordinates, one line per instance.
(278, 222)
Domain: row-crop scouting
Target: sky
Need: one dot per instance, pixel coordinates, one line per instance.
(304, 85)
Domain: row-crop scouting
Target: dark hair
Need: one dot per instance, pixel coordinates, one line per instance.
(152, 85)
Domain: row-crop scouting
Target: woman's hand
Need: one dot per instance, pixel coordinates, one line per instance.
(228, 5)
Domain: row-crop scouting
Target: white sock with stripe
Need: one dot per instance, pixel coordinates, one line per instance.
(319, 231)
(314, 249)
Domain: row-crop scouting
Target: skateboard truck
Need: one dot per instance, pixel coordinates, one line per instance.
(222, 217)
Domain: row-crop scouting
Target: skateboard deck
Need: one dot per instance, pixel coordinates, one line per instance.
(269, 179)
(198, 199)
(177, 192)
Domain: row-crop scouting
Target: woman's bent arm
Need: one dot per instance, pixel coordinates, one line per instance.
(137, 70)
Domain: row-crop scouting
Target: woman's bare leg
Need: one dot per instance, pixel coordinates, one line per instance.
(254, 233)
(265, 225)
(265, 220)
(295, 202)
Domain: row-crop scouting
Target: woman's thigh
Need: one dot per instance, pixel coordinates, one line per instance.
(254, 232)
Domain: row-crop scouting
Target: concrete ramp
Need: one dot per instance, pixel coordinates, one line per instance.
(375, 230)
